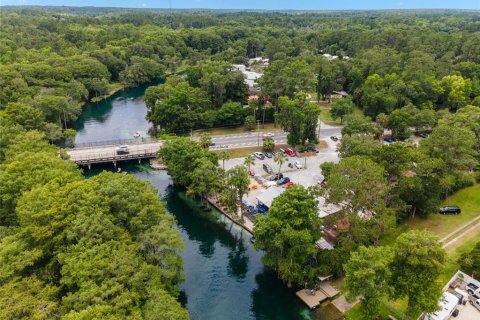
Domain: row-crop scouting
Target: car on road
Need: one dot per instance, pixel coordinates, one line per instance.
(473, 290)
(268, 155)
(251, 172)
(290, 152)
(389, 139)
(284, 180)
(259, 155)
(266, 136)
(334, 138)
(450, 210)
(298, 165)
(122, 150)
(267, 168)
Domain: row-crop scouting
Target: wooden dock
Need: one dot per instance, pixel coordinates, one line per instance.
(315, 297)
(312, 300)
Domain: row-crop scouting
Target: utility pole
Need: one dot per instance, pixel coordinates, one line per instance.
(319, 126)
(258, 132)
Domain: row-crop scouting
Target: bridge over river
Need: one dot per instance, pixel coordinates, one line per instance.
(142, 148)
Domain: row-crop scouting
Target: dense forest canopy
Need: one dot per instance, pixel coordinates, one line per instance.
(404, 69)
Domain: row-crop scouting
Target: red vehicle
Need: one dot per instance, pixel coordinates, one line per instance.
(290, 152)
(251, 172)
(289, 184)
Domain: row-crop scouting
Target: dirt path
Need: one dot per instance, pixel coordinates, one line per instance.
(461, 232)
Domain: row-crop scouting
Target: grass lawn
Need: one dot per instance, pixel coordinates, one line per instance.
(241, 129)
(467, 199)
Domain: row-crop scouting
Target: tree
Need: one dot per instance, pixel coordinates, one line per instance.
(418, 260)
(249, 123)
(249, 161)
(360, 124)
(279, 159)
(454, 145)
(224, 155)
(288, 233)
(299, 118)
(367, 275)
(341, 108)
(400, 121)
(206, 179)
(238, 180)
(205, 141)
(180, 156)
(456, 91)
(268, 144)
(470, 261)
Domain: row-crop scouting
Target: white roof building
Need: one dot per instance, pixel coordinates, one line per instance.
(266, 197)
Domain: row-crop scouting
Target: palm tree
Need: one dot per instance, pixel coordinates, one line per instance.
(279, 159)
(224, 155)
(250, 160)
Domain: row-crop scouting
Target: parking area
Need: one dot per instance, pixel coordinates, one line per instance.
(307, 176)
(468, 312)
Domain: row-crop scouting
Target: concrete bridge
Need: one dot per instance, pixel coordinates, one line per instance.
(101, 154)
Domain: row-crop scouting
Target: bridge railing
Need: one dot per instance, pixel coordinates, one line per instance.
(112, 156)
(117, 142)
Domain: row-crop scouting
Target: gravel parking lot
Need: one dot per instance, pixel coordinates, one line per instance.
(306, 176)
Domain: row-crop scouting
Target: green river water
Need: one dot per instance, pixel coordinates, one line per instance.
(225, 278)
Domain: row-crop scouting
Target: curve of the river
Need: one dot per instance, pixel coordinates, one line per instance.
(225, 278)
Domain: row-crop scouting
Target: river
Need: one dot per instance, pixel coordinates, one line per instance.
(225, 278)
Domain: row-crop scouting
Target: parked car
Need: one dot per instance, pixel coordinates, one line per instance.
(474, 290)
(423, 135)
(450, 210)
(322, 182)
(290, 165)
(266, 136)
(275, 177)
(282, 151)
(284, 180)
(259, 155)
(290, 152)
(334, 138)
(268, 155)
(389, 139)
(251, 172)
(474, 302)
(267, 168)
(289, 184)
(298, 165)
(122, 150)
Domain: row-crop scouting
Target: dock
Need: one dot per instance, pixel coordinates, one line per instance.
(313, 298)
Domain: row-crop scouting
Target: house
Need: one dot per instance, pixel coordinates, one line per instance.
(339, 94)
(330, 57)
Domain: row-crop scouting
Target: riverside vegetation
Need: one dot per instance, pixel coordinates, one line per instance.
(104, 247)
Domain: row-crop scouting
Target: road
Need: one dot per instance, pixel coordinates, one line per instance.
(225, 141)
(254, 138)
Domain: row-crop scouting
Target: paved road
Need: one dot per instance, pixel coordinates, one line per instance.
(226, 141)
(254, 138)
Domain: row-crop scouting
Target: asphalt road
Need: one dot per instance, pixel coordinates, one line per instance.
(225, 141)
